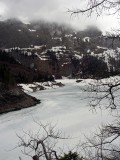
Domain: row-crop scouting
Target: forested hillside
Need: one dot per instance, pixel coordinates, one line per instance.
(43, 50)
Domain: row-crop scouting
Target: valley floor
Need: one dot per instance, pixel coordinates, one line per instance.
(66, 107)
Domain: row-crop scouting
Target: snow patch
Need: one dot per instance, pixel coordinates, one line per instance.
(36, 86)
(68, 35)
(32, 30)
(86, 39)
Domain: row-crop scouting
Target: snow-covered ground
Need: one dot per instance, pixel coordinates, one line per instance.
(37, 86)
(67, 107)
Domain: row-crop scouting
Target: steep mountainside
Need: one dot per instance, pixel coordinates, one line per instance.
(43, 49)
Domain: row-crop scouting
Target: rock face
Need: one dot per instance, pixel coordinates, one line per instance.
(15, 99)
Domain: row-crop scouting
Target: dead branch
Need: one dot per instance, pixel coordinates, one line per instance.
(103, 145)
(109, 7)
(105, 94)
(40, 145)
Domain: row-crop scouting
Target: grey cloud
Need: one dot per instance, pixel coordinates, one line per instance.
(50, 10)
(30, 8)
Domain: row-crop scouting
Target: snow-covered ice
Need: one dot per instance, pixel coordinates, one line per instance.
(67, 107)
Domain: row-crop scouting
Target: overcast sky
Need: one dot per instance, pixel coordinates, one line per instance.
(53, 10)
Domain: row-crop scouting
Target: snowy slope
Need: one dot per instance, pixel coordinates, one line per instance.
(107, 55)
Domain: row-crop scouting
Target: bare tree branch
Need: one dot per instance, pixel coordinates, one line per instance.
(40, 145)
(109, 7)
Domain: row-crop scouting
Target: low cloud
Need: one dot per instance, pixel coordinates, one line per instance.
(50, 10)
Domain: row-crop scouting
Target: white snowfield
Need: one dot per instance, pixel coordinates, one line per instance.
(67, 107)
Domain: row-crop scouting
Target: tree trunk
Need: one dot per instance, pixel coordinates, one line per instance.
(35, 157)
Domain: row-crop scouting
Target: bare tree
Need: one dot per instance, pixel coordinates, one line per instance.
(105, 93)
(103, 145)
(107, 90)
(41, 144)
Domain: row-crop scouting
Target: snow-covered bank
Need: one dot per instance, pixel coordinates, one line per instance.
(37, 86)
(67, 107)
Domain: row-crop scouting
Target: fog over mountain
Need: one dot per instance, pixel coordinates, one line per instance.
(53, 11)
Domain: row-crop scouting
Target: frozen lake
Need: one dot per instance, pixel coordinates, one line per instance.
(67, 107)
